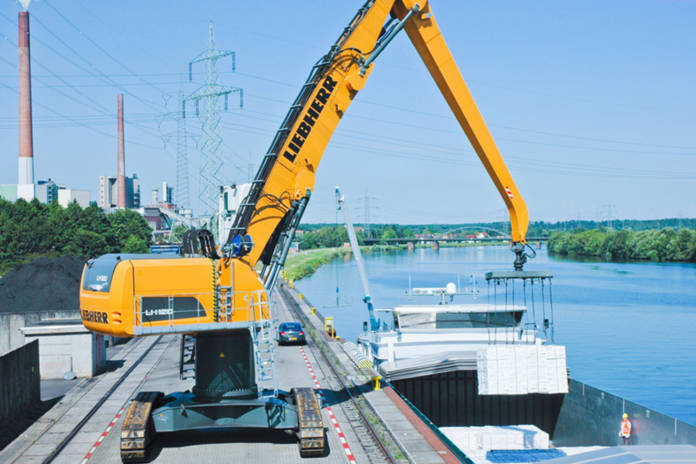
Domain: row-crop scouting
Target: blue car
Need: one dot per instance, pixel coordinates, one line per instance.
(291, 332)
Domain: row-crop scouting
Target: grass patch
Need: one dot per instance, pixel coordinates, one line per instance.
(304, 264)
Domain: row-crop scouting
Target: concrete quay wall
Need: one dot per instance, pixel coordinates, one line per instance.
(11, 336)
(20, 386)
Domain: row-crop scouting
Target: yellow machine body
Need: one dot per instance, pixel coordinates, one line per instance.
(126, 295)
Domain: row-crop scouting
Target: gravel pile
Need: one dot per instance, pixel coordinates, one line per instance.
(43, 284)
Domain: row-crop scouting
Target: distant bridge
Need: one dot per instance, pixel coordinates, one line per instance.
(497, 232)
(438, 240)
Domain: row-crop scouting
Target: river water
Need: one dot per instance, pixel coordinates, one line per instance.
(629, 328)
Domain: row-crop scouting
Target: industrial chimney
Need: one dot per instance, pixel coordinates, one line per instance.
(25, 180)
(121, 179)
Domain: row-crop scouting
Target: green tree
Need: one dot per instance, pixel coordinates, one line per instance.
(664, 244)
(125, 223)
(594, 242)
(388, 234)
(681, 245)
(29, 229)
(691, 249)
(134, 244)
(616, 246)
(87, 244)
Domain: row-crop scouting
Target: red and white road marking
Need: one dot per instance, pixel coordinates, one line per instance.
(337, 427)
(108, 428)
(103, 435)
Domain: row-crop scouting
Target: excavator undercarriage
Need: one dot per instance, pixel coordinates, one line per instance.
(225, 397)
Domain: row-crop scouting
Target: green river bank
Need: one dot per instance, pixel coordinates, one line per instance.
(305, 263)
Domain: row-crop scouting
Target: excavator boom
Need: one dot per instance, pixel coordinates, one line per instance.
(288, 170)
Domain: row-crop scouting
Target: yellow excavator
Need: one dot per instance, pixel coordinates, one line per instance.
(218, 298)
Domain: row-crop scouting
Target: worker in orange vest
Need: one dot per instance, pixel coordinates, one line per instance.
(625, 430)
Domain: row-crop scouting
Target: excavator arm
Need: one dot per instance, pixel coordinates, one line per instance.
(282, 185)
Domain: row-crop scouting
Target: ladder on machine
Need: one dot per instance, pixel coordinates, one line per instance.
(187, 357)
(263, 339)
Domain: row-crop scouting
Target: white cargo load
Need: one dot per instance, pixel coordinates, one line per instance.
(521, 369)
(490, 437)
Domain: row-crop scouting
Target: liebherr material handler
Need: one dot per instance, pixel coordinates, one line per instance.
(219, 298)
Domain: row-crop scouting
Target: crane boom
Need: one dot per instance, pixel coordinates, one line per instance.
(289, 168)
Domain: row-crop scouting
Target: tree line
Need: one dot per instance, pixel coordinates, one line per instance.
(325, 237)
(29, 229)
(665, 244)
(536, 228)
(336, 236)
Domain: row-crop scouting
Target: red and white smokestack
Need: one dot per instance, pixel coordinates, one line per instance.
(25, 181)
(121, 179)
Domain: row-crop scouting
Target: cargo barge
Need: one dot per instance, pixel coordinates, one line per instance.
(441, 359)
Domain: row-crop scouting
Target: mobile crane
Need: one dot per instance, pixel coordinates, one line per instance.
(219, 297)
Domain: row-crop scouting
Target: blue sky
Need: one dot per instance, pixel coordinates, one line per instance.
(591, 103)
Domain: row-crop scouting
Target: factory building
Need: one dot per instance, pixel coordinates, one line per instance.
(67, 196)
(167, 193)
(47, 191)
(108, 192)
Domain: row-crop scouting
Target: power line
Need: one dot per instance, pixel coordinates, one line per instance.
(450, 117)
(101, 75)
(88, 74)
(525, 163)
(99, 107)
(97, 131)
(412, 111)
(120, 84)
(540, 163)
(99, 47)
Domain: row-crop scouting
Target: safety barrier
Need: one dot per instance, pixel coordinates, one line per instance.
(20, 387)
(357, 355)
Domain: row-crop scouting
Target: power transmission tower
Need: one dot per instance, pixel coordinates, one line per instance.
(610, 214)
(366, 213)
(181, 191)
(174, 103)
(210, 93)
